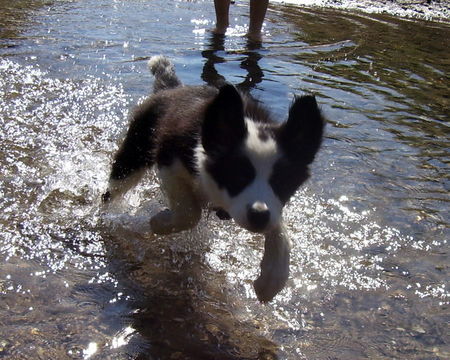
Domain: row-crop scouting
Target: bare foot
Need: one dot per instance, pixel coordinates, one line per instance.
(220, 30)
(255, 36)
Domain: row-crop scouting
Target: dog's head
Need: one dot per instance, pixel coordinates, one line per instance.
(251, 165)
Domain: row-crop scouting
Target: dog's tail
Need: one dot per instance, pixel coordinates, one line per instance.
(164, 72)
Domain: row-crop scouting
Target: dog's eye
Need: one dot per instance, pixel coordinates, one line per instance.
(232, 172)
(286, 178)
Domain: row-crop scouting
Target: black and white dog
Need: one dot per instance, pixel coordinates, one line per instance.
(218, 148)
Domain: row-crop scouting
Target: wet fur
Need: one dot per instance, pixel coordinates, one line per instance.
(219, 148)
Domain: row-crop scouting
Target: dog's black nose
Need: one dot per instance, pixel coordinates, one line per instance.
(258, 215)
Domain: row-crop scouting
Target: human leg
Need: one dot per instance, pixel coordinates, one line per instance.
(258, 9)
(222, 8)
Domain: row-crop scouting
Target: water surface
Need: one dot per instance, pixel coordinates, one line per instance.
(370, 228)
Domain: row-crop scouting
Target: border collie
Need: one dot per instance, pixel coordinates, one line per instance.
(219, 148)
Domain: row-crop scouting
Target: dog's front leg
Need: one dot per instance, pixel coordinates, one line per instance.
(184, 208)
(274, 265)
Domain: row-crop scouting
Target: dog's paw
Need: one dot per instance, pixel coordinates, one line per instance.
(162, 223)
(274, 266)
(270, 284)
(168, 221)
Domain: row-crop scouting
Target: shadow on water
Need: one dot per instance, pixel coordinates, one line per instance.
(181, 312)
(180, 307)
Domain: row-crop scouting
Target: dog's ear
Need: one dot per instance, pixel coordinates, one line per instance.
(224, 126)
(301, 135)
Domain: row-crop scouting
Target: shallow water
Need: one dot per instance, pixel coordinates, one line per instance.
(371, 227)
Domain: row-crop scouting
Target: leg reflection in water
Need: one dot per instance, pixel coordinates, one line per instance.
(251, 56)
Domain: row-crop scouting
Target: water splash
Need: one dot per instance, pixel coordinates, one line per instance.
(56, 136)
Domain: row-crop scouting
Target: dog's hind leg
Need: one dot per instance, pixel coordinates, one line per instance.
(134, 156)
(274, 265)
(184, 207)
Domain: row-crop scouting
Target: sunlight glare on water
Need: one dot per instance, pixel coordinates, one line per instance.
(55, 168)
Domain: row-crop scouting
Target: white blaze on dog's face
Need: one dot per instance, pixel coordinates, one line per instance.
(256, 207)
(250, 167)
(238, 180)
